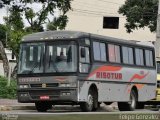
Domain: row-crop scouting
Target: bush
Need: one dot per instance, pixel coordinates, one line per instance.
(5, 91)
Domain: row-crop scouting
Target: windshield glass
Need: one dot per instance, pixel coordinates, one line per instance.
(61, 57)
(50, 58)
(158, 67)
(31, 58)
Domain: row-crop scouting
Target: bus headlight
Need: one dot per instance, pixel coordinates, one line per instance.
(64, 85)
(23, 86)
(67, 85)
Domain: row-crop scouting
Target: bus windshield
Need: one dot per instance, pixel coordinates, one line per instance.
(158, 67)
(58, 57)
(61, 57)
(31, 58)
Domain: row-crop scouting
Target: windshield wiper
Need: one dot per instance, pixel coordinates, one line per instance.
(54, 65)
(36, 65)
(33, 68)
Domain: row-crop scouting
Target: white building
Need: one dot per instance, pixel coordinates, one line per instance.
(101, 17)
(11, 59)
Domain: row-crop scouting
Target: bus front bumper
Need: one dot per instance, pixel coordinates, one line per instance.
(52, 95)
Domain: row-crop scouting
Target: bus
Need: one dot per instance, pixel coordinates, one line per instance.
(156, 100)
(78, 68)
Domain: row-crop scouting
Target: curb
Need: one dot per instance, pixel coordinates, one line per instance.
(9, 108)
(57, 108)
(5, 108)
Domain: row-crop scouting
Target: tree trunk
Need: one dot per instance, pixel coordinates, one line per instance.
(4, 59)
(14, 73)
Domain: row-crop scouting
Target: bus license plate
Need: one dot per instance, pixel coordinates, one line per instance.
(44, 97)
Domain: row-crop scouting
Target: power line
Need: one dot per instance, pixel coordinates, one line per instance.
(91, 5)
(82, 13)
(104, 12)
(87, 6)
(94, 12)
(109, 2)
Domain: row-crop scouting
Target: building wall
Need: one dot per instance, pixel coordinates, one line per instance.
(12, 62)
(87, 16)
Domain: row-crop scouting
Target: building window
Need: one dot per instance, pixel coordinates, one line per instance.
(99, 50)
(111, 22)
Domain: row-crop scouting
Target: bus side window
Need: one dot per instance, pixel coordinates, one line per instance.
(139, 57)
(84, 59)
(114, 53)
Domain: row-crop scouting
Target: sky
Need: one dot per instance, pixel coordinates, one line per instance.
(36, 7)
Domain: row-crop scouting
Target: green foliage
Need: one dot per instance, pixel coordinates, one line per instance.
(15, 24)
(58, 23)
(15, 30)
(140, 14)
(15, 39)
(7, 92)
(3, 30)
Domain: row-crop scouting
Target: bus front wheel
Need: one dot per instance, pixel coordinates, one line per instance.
(92, 102)
(42, 106)
(129, 106)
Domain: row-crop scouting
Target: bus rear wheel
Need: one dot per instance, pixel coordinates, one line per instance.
(92, 102)
(129, 106)
(42, 106)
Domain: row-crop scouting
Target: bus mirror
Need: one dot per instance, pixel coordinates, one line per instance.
(83, 53)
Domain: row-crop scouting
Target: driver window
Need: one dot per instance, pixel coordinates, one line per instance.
(84, 60)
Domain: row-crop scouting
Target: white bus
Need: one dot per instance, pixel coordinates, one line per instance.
(70, 67)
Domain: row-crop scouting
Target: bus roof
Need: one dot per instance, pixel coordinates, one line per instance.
(52, 35)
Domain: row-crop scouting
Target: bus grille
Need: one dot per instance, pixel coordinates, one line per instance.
(48, 85)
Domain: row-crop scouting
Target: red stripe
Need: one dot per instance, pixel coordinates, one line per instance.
(139, 77)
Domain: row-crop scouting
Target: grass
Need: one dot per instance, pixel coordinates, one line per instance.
(70, 117)
(91, 117)
(7, 91)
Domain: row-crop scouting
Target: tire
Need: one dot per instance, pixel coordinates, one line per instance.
(129, 106)
(108, 103)
(96, 105)
(140, 105)
(92, 102)
(42, 106)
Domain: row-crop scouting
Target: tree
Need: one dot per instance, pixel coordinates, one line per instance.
(15, 24)
(4, 59)
(3, 56)
(140, 14)
(58, 23)
(3, 34)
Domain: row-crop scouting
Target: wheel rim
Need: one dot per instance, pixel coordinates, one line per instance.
(90, 101)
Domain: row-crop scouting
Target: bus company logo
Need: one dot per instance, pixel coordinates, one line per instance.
(32, 79)
(109, 75)
(44, 85)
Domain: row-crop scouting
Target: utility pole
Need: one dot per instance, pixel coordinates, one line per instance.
(157, 43)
